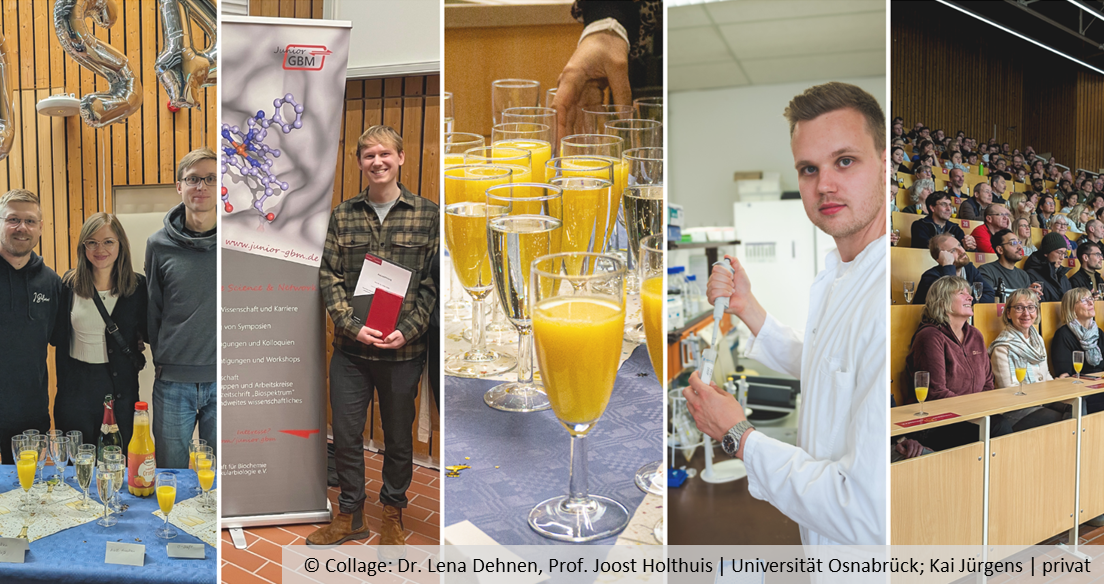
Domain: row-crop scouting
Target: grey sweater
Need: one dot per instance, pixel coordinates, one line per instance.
(181, 269)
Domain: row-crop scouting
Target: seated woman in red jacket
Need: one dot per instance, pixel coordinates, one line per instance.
(953, 353)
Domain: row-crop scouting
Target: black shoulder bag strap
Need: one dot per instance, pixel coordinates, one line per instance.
(113, 330)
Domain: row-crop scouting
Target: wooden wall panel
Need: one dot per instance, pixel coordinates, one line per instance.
(286, 8)
(63, 160)
(1090, 121)
(952, 73)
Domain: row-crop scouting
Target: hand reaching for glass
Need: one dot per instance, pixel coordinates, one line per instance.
(601, 60)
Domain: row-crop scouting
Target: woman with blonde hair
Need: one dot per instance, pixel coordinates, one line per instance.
(1022, 229)
(953, 353)
(1022, 208)
(1078, 216)
(1020, 345)
(91, 362)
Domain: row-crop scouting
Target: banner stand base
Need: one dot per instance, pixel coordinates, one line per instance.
(234, 523)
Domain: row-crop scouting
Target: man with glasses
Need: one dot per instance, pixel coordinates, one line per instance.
(1091, 258)
(29, 294)
(938, 221)
(180, 268)
(1003, 272)
(953, 261)
(997, 217)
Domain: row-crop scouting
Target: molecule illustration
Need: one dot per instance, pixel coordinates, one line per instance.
(247, 152)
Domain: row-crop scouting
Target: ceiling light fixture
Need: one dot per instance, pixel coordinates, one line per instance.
(1093, 11)
(1026, 38)
(677, 3)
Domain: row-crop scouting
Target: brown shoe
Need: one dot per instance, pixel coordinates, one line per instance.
(343, 528)
(392, 536)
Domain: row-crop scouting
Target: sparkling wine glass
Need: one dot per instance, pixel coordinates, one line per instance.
(448, 107)
(643, 209)
(25, 465)
(910, 291)
(206, 468)
(637, 133)
(578, 322)
(508, 93)
(114, 456)
(76, 440)
(524, 222)
(1078, 362)
(166, 498)
(105, 489)
(533, 115)
(41, 444)
(19, 442)
(977, 289)
(535, 138)
(194, 446)
(589, 208)
(59, 452)
(1021, 373)
(456, 144)
(920, 385)
(649, 108)
(85, 463)
(596, 116)
(651, 477)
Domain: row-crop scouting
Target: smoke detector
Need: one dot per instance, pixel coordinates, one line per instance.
(59, 105)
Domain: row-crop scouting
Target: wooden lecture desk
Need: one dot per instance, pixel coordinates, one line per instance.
(1018, 489)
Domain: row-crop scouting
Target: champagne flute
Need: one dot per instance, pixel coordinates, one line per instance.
(977, 289)
(25, 465)
(114, 454)
(19, 442)
(508, 93)
(41, 444)
(589, 208)
(469, 184)
(456, 144)
(466, 234)
(596, 116)
(1078, 362)
(650, 478)
(194, 446)
(166, 497)
(85, 462)
(920, 385)
(105, 488)
(578, 322)
(448, 107)
(896, 232)
(205, 472)
(909, 290)
(644, 212)
(643, 166)
(59, 452)
(31, 441)
(537, 139)
(524, 222)
(550, 97)
(611, 148)
(76, 439)
(649, 108)
(545, 116)
(637, 133)
(1021, 373)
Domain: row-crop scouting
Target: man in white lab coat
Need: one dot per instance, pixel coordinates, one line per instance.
(833, 483)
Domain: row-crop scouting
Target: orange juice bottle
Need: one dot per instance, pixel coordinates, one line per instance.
(141, 463)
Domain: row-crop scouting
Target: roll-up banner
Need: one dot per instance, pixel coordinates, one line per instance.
(283, 88)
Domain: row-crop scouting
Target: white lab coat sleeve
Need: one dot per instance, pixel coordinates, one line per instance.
(842, 500)
(777, 346)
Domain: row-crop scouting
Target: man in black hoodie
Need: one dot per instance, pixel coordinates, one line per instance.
(1045, 266)
(29, 294)
(180, 269)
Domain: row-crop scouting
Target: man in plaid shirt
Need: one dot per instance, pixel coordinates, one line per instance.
(391, 223)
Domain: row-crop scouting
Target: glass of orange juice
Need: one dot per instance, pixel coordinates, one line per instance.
(1078, 362)
(206, 468)
(578, 323)
(1021, 372)
(651, 477)
(920, 385)
(456, 144)
(166, 498)
(25, 467)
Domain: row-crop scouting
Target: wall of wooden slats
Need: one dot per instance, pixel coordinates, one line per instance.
(62, 160)
(411, 105)
(953, 73)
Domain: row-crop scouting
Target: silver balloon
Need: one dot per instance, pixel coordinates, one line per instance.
(181, 68)
(7, 125)
(124, 94)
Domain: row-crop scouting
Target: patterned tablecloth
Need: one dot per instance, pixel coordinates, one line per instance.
(518, 460)
(76, 554)
(187, 516)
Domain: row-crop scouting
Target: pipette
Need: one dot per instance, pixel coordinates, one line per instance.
(709, 356)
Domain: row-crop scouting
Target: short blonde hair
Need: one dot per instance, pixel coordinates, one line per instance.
(193, 158)
(941, 295)
(20, 196)
(385, 135)
(1006, 316)
(1069, 302)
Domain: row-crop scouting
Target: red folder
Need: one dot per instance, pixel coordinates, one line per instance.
(383, 314)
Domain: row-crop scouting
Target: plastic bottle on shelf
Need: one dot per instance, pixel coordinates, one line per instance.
(693, 296)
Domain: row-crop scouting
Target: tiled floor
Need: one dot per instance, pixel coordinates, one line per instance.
(260, 561)
(1088, 535)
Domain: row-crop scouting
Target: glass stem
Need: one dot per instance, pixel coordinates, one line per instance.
(525, 355)
(479, 336)
(577, 480)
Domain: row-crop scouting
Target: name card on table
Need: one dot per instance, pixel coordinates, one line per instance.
(186, 551)
(12, 550)
(126, 554)
(1097, 386)
(927, 420)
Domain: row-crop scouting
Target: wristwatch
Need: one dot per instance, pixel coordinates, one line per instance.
(731, 441)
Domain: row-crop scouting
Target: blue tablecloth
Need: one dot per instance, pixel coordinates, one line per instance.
(531, 452)
(76, 555)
